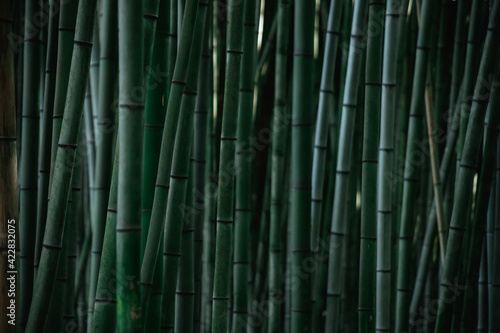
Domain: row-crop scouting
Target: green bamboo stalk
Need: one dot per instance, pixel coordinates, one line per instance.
(67, 21)
(131, 117)
(468, 165)
(155, 233)
(65, 158)
(324, 113)
(408, 214)
(210, 199)
(46, 132)
(280, 131)
(74, 216)
(105, 298)
(225, 208)
(8, 164)
(301, 155)
(458, 49)
(495, 282)
(179, 297)
(471, 66)
(104, 134)
(373, 82)
(339, 225)
(150, 19)
(243, 203)
(28, 160)
(469, 318)
(201, 113)
(94, 69)
(88, 119)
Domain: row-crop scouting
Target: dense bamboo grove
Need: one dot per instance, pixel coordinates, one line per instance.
(250, 166)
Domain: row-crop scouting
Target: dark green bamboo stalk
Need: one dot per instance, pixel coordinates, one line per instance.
(243, 203)
(468, 165)
(495, 285)
(458, 48)
(280, 131)
(339, 225)
(156, 226)
(201, 113)
(67, 21)
(28, 161)
(74, 218)
(469, 318)
(8, 164)
(209, 192)
(470, 71)
(104, 134)
(65, 157)
(94, 69)
(225, 208)
(131, 115)
(46, 132)
(373, 82)
(408, 214)
(105, 298)
(179, 297)
(324, 113)
(302, 136)
(150, 19)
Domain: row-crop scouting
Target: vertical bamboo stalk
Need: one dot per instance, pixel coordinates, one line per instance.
(279, 144)
(28, 161)
(225, 208)
(131, 117)
(372, 107)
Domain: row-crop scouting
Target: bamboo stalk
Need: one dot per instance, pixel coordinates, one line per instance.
(225, 195)
(279, 143)
(46, 132)
(104, 134)
(105, 298)
(28, 160)
(372, 107)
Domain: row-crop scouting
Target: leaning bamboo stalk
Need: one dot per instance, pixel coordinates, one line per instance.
(8, 163)
(156, 226)
(28, 160)
(436, 179)
(225, 195)
(103, 134)
(408, 214)
(372, 107)
(325, 104)
(46, 133)
(468, 166)
(67, 21)
(65, 157)
(178, 291)
(485, 180)
(347, 125)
